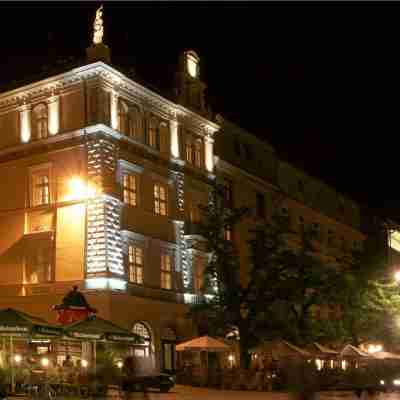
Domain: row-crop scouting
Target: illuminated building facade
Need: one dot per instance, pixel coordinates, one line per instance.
(101, 182)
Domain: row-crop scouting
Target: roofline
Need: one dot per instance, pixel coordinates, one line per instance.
(119, 79)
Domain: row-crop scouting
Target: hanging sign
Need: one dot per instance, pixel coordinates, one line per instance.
(122, 338)
(47, 330)
(13, 329)
(81, 335)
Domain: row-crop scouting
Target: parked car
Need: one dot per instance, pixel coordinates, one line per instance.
(161, 381)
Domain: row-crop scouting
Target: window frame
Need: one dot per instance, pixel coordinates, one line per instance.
(129, 193)
(158, 201)
(166, 275)
(40, 120)
(133, 265)
(38, 171)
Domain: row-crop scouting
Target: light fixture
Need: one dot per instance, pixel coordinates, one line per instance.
(78, 189)
(84, 363)
(382, 382)
(45, 362)
(17, 358)
(397, 276)
(192, 65)
(119, 364)
(396, 382)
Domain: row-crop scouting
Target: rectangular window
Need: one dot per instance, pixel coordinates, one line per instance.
(40, 187)
(166, 271)
(135, 264)
(260, 205)
(228, 193)
(38, 265)
(130, 189)
(198, 147)
(160, 199)
(189, 153)
(228, 233)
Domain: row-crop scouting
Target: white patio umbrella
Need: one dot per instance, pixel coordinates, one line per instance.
(203, 343)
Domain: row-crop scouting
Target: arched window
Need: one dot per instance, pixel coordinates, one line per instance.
(40, 121)
(123, 119)
(139, 328)
(153, 136)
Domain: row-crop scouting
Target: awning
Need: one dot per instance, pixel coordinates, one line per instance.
(203, 343)
(96, 328)
(19, 324)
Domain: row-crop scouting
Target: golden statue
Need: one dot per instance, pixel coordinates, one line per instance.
(98, 27)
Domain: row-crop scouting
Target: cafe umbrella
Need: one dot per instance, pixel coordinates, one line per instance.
(17, 324)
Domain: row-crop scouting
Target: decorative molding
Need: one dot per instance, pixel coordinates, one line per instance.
(119, 82)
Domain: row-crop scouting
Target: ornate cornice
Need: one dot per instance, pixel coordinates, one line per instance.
(119, 83)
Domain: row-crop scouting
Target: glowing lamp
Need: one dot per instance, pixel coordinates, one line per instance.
(396, 382)
(78, 189)
(382, 382)
(17, 358)
(84, 363)
(119, 364)
(45, 362)
(192, 65)
(397, 276)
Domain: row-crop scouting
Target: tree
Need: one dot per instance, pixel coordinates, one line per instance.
(224, 302)
(292, 276)
(370, 302)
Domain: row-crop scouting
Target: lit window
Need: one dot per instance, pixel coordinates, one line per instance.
(160, 199)
(40, 187)
(166, 271)
(141, 329)
(135, 264)
(153, 137)
(189, 152)
(123, 118)
(228, 193)
(130, 189)
(135, 123)
(192, 65)
(38, 266)
(394, 240)
(40, 121)
(228, 233)
(197, 153)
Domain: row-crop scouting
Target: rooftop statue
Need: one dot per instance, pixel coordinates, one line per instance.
(98, 27)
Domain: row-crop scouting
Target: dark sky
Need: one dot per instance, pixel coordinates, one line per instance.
(319, 81)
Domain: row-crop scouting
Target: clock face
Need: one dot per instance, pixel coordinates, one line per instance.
(192, 66)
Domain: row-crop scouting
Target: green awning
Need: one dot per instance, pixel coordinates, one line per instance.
(96, 328)
(19, 324)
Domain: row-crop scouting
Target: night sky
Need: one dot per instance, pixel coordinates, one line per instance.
(320, 82)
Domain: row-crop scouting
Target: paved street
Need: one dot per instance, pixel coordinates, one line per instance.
(194, 393)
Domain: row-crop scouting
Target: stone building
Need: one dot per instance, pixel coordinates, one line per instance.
(101, 182)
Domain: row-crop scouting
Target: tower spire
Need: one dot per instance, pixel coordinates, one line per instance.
(98, 51)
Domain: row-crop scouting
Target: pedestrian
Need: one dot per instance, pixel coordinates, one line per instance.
(132, 384)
